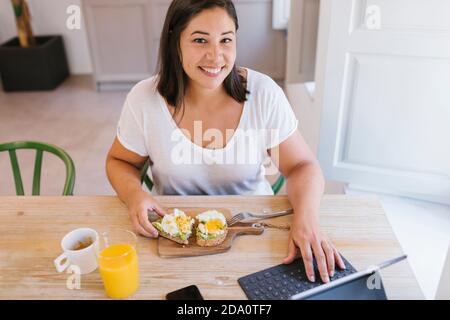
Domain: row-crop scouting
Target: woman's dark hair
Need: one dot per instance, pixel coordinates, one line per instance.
(172, 80)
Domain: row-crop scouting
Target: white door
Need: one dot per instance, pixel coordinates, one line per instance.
(385, 123)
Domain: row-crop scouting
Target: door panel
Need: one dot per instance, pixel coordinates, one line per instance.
(385, 114)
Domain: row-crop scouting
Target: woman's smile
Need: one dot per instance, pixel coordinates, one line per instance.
(211, 72)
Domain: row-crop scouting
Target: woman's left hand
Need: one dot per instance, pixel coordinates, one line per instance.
(306, 235)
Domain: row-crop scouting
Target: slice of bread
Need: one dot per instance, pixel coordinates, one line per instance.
(212, 242)
(168, 236)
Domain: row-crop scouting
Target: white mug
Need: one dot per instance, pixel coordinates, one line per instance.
(86, 258)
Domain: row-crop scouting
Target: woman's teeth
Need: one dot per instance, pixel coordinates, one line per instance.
(212, 71)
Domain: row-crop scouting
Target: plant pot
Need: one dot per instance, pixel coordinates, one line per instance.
(42, 67)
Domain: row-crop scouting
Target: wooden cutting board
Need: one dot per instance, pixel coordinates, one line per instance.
(170, 249)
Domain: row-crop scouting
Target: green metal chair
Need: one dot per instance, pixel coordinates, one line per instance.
(40, 147)
(149, 183)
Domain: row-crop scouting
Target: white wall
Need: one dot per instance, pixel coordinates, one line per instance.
(7, 23)
(49, 17)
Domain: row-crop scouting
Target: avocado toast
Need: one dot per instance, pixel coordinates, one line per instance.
(176, 226)
(211, 228)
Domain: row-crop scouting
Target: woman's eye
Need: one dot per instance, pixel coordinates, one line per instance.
(226, 40)
(199, 40)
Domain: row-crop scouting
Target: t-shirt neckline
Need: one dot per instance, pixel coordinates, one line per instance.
(165, 108)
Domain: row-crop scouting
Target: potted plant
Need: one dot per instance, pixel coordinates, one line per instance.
(29, 62)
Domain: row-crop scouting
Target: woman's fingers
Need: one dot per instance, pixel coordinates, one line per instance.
(137, 227)
(146, 224)
(329, 253)
(158, 209)
(340, 262)
(321, 260)
(142, 231)
(292, 252)
(305, 249)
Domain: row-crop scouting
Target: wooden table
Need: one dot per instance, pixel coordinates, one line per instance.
(31, 229)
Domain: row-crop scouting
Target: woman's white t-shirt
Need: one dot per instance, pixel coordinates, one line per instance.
(181, 167)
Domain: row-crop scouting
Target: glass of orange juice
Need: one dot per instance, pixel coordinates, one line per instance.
(118, 263)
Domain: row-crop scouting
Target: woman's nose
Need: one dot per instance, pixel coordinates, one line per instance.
(214, 52)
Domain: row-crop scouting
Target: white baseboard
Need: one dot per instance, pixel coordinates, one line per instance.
(116, 86)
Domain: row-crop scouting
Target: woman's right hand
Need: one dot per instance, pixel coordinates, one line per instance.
(139, 204)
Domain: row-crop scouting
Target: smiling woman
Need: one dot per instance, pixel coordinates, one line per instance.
(201, 48)
(198, 82)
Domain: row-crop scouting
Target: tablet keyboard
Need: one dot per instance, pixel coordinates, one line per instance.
(283, 281)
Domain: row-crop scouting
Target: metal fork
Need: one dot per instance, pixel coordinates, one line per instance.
(245, 215)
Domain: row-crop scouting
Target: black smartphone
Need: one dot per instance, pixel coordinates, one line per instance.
(187, 293)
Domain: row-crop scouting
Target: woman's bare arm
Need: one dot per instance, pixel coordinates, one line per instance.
(305, 186)
(123, 168)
